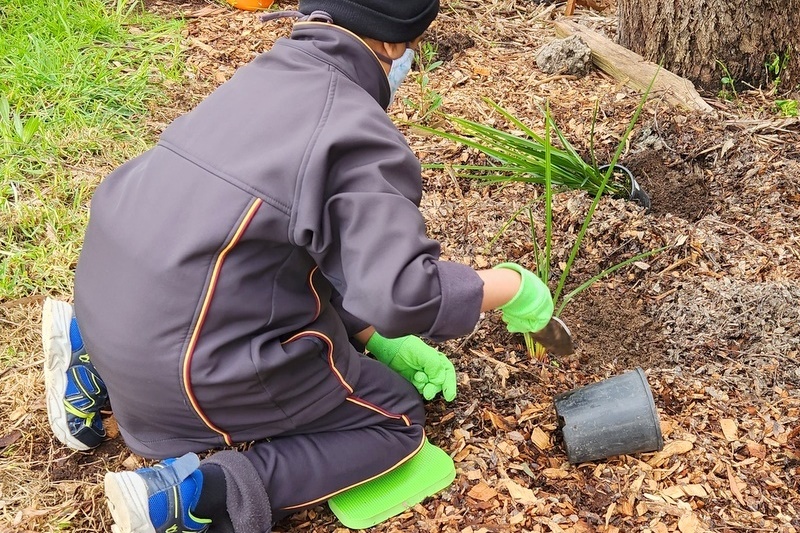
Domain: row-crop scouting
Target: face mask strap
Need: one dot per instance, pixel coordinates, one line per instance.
(386, 59)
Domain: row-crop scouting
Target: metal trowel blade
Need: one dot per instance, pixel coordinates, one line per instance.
(556, 337)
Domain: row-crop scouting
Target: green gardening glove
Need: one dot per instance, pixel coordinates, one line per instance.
(531, 308)
(428, 369)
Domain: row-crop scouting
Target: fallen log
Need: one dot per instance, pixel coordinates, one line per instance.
(635, 71)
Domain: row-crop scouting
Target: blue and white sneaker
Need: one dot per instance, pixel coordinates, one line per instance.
(159, 499)
(75, 393)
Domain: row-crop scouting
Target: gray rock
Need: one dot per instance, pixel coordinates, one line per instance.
(565, 56)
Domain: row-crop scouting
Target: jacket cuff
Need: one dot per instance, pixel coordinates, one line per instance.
(462, 295)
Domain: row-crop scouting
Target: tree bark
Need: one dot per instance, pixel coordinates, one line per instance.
(697, 38)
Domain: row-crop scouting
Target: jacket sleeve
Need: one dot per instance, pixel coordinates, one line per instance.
(357, 214)
(352, 324)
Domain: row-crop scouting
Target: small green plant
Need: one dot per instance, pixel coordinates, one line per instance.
(13, 128)
(788, 108)
(775, 65)
(728, 90)
(429, 100)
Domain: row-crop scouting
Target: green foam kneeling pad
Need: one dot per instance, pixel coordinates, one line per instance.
(425, 474)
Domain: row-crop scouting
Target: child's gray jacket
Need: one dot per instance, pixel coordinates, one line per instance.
(224, 270)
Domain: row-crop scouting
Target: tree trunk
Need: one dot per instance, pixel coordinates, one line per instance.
(701, 39)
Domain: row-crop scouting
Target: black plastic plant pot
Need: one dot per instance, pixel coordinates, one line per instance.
(636, 193)
(616, 416)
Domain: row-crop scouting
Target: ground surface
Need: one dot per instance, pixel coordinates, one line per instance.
(713, 320)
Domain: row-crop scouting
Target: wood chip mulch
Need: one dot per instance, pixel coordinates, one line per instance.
(713, 319)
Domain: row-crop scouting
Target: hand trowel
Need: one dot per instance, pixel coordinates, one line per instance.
(556, 337)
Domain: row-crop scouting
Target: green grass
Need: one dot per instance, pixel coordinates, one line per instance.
(78, 79)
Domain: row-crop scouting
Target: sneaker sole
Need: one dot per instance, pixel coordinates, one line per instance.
(56, 317)
(126, 496)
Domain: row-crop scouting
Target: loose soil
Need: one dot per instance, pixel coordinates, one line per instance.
(713, 320)
(678, 188)
(615, 328)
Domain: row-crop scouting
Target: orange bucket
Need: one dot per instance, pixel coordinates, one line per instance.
(251, 5)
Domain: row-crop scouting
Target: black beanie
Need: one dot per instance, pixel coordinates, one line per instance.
(390, 21)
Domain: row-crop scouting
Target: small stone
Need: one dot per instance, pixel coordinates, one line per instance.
(565, 56)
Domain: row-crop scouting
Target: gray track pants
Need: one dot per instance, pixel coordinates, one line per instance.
(380, 426)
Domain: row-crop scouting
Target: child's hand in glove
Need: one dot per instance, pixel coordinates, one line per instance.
(426, 368)
(531, 308)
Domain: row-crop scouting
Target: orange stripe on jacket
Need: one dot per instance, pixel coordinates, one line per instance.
(384, 412)
(314, 292)
(329, 342)
(187, 360)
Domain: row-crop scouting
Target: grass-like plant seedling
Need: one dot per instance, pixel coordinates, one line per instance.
(535, 349)
(533, 158)
(522, 157)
